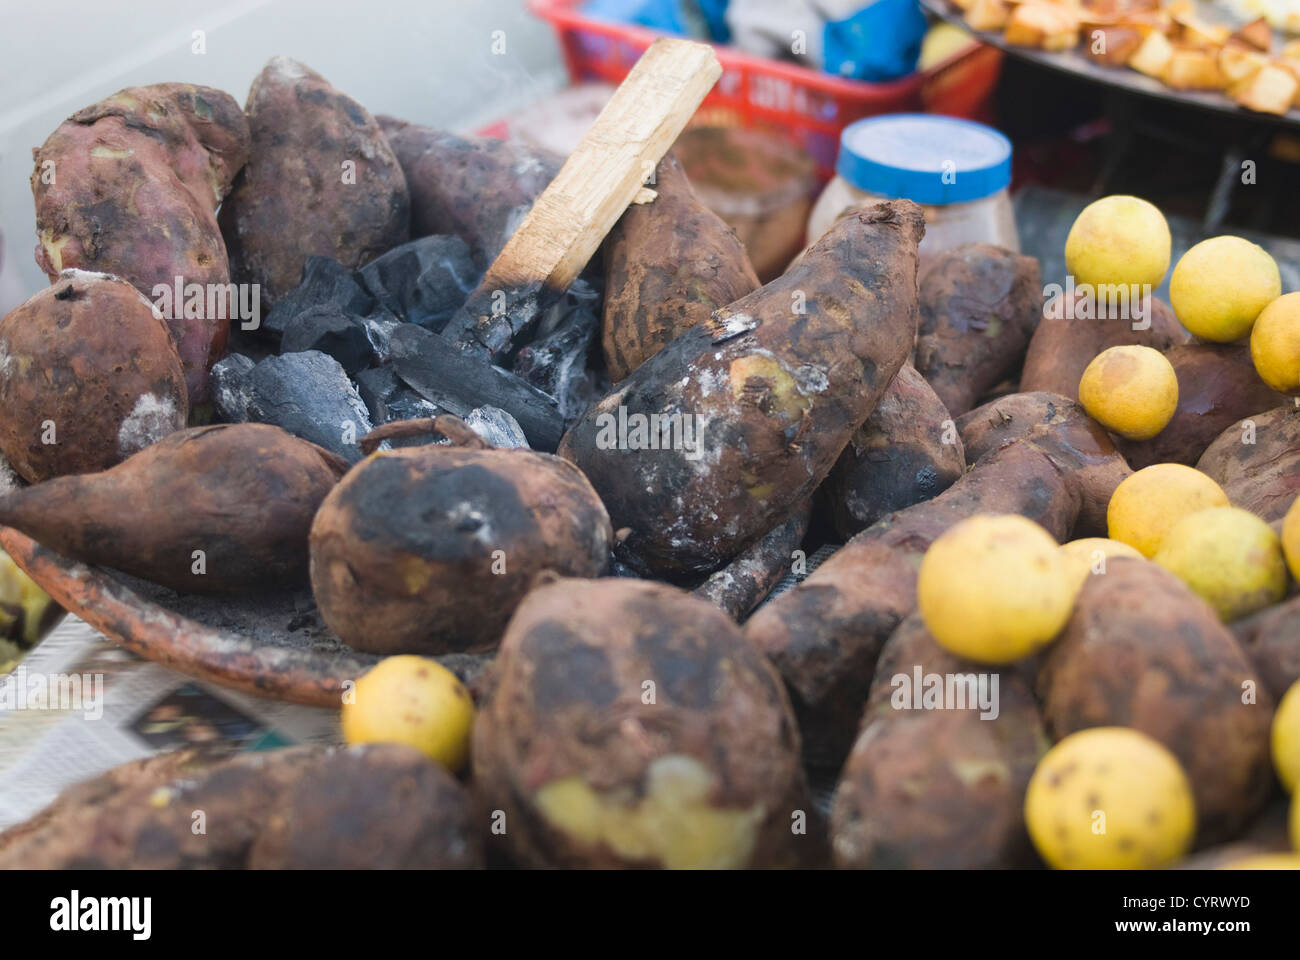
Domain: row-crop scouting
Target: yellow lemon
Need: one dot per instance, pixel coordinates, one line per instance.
(1231, 558)
(1146, 505)
(1109, 798)
(1220, 286)
(1265, 861)
(1089, 556)
(415, 701)
(1130, 390)
(1291, 538)
(1118, 240)
(1285, 739)
(995, 588)
(1275, 344)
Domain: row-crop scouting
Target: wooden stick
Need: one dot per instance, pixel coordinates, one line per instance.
(606, 172)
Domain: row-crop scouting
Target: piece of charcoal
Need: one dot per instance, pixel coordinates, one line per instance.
(496, 427)
(376, 386)
(458, 382)
(309, 395)
(325, 284)
(231, 388)
(424, 281)
(556, 361)
(343, 337)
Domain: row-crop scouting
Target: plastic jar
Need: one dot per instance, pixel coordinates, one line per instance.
(957, 170)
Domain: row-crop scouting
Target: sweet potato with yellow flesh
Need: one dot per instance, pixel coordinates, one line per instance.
(1217, 388)
(630, 725)
(979, 306)
(320, 179)
(220, 509)
(824, 635)
(906, 452)
(380, 806)
(771, 388)
(477, 188)
(1064, 343)
(1143, 651)
(1257, 462)
(130, 187)
(88, 376)
(668, 265)
(429, 549)
(938, 787)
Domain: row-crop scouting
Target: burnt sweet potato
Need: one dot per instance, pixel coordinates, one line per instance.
(429, 549)
(932, 784)
(906, 452)
(630, 725)
(1064, 344)
(88, 376)
(1271, 638)
(376, 806)
(1217, 388)
(477, 188)
(979, 306)
(743, 584)
(220, 509)
(772, 387)
(320, 179)
(1257, 462)
(130, 186)
(825, 634)
(668, 265)
(1141, 650)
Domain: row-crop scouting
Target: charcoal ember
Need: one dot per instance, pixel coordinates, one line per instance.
(343, 337)
(379, 329)
(310, 395)
(424, 281)
(556, 361)
(496, 427)
(459, 381)
(231, 388)
(617, 568)
(325, 284)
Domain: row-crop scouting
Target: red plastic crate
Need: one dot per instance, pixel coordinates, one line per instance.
(806, 106)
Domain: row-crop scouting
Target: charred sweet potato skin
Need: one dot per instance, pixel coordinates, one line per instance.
(217, 509)
(1271, 638)
(1217, 388)
(254, 807)
(1257, 462)
(294, 198)
(477, 188)
(1063, 345)
(979, 307)
(937, 788)
(88, 359)
(776, 384)
(603, 682)
(668, 265)
(429, 549)
(906, 452)
(130, 186)
(1143, 651)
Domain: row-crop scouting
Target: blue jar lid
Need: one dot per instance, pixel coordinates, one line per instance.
(925, 158)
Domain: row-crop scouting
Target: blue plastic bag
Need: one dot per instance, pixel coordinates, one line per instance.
(880, 42)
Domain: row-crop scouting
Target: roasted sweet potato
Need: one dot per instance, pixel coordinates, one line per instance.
(825, 634)
(321, 179)
(219, 509)
(429, 549)
(979, 307)
(1257, 462)
(88, 376)
(772, 387)
(630, 725)
(1217, 388)
(906, 452)
(130, 186)
(668, 265)
(1143, 651)
(742, 584)
(939, 786)
(1064, 343)
(1271, 638)
(477, 188)
(379, 806)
